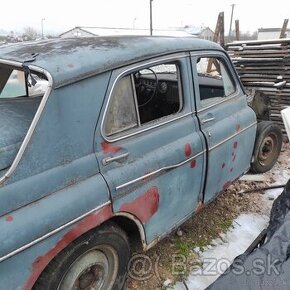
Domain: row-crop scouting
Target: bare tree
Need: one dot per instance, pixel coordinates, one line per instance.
(29, 33)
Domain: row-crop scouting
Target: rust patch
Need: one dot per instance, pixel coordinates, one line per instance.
(9, 218)
(238, 127)
(223, 165)
(226, 185)
(88, 223)
(187, 150)
(144, 206)
(199, 207)
(193, 163)
(235, 144)
(108, 148)
(71, 65)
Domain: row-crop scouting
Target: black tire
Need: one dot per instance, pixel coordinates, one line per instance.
(99, 258)
(267, 147)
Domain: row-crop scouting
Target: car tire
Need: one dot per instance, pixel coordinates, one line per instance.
(267, 146)
(96, 260)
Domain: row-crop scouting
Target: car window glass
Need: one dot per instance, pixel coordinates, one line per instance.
(122, 113)
(144, 96)
(12, 84)
(214, 80)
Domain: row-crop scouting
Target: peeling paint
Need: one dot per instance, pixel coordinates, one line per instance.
(9, 218)
(144, 206)
(108, 148)
(232, 169)
(234, 158)
(187, 150)
(88, 223)
(193, 163)
(223, 165)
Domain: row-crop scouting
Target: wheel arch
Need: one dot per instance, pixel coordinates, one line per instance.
(127, 222)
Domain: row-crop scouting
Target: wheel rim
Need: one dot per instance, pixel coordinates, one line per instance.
(268, 150)
(95, 269)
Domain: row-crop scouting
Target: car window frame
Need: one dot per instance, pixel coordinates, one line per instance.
(176, 57)
(229, 68)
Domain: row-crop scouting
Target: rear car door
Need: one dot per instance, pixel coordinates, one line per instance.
(149, 147)
(228, 124)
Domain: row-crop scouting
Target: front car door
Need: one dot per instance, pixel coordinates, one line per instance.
(149, 146)
(226, 121)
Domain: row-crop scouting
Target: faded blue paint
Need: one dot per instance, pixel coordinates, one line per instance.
(61, 176)
(71, 59)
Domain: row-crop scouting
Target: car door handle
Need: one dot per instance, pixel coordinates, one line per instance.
(110, 159)
(207, 120)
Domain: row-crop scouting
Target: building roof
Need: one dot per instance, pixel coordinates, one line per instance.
(271, 29)
(72, 59)
(109, 31)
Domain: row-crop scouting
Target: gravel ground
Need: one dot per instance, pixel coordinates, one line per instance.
(156, 268)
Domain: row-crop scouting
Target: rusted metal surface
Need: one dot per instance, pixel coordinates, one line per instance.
(264, 69)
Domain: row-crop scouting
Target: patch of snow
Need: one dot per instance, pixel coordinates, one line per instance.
(217, 258)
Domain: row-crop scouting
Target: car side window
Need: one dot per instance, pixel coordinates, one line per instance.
(122, 112)
(144, 96)
(214, 80)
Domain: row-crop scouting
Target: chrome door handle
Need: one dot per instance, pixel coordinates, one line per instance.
(207, 120)
(110, 159)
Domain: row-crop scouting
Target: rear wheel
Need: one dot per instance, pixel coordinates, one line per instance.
(267, 147)
(96, 261)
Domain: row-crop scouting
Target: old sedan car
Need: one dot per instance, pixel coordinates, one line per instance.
(123, 135)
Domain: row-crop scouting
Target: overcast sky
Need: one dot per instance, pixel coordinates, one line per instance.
(61, 15)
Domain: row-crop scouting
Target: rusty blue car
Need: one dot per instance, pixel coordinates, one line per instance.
(108, 137)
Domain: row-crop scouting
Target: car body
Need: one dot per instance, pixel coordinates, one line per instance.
(134, 130)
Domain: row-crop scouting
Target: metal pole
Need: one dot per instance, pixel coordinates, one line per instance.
(42, 35)
(230, 31)
(151, 24)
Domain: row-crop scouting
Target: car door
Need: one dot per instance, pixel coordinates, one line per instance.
(149, 146)
(226, 121)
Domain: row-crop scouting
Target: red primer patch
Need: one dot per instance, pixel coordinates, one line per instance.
(235, 144)
(86, 224)
(187, 150)
(193, 163)
(226, 185)
(108, 148)
(223, 165)
(9, 218)
(70, 65)
(144, 206)
(238, 127)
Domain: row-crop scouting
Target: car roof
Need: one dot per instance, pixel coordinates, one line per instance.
(72, 59)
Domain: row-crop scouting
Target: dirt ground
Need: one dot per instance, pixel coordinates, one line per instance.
(157, 268)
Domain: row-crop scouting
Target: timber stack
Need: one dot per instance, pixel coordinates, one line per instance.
(264, 69)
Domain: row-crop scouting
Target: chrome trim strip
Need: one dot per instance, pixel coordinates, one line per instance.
(35, 119)
(176, 57)
(40, 239)
(159, 170)
(234, 135)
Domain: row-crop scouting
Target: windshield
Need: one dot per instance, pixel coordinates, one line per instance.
(14, 84)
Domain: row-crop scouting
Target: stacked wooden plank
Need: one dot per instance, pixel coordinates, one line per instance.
(264, 66)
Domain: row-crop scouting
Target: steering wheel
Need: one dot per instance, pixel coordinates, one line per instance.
(148, 90)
